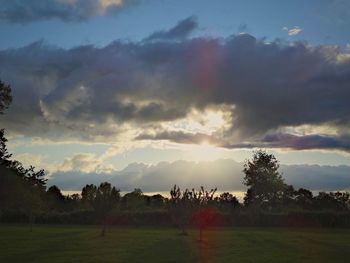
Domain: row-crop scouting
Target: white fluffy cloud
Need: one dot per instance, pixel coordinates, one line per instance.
(85, 163)
(292, 31)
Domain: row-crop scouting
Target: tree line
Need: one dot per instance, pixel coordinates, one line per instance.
(24, 197)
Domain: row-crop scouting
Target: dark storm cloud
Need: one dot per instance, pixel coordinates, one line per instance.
(84, 91)
(275, 140)
(196, 138)
(179, 32)
(24, 11)
(315, 141)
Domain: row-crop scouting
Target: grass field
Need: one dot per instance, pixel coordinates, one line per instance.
(83, 244)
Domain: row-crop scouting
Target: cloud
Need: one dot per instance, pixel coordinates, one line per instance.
(181, 137)
(28, 159)
(160, 177)
(273, 140)
(179, 32)
(149, 89)
(347, 47)
(23, 11)
(317, 178)
(84, 162)
(314, 141)
(292, 31)
(225, 174)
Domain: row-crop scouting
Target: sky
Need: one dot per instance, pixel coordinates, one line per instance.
(103, 87)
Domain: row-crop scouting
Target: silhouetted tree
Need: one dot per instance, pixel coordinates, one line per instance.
(72, 202)
(35, 183)
(205, 213)
(5, 96)
(102, 199)
(265, 184)
(227, 201)
(21, 192)
(74, 197)
(205, 217)
(11, 189)
(332, 201)
(20, 188)
(156, 200)
(202, 197)
(343, 200)
(55, 198)
(88, 194)
(5, 156)
(289, 196)
(55, 192)
(106, 198)
(134, 199)
(304, 198)
(181, 207)
(184, 204)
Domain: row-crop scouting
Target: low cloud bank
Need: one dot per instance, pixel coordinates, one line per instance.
(224, 174)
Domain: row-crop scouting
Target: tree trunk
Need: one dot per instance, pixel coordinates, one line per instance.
(103, 232)
(104, 227)
(31, 220)
(183, 231)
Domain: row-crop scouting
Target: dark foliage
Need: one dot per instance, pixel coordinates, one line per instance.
(266, 186)
(5, 96)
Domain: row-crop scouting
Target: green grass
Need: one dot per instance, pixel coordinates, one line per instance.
(83, 244)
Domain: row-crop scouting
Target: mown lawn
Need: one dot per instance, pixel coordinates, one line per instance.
(83, 244)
